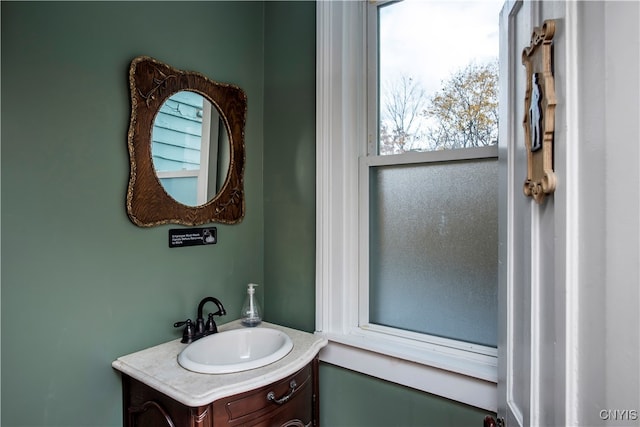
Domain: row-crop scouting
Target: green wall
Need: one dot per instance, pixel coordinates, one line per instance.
(81, 285)
(289, 164)
(350, 399)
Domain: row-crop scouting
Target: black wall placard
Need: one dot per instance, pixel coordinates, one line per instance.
(179, 237)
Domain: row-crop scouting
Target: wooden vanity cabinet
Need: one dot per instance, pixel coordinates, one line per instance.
(147, 407)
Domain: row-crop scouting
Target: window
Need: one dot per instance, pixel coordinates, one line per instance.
(407, 209)
(432, 231)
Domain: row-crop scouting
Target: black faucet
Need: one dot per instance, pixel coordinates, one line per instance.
(202, 329)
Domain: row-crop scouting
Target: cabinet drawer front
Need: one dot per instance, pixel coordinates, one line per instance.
(241, 408)
(296, 413)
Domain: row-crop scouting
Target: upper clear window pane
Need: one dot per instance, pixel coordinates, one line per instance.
(438, 75)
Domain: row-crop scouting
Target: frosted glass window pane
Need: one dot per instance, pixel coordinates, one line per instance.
(434, 249)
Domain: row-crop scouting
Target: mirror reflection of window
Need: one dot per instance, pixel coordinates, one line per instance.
(185, 148)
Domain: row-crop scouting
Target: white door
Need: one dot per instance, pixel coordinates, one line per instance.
(569, 341)
(532, 249)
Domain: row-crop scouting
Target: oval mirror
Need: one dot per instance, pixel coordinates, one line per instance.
(190, 148)
(194, 176)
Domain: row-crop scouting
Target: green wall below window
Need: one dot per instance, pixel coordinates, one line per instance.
(349, 399)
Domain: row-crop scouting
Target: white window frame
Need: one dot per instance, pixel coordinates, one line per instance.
(453, 369)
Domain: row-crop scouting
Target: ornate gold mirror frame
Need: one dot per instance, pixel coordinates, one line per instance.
(539, 117)
(148, 204)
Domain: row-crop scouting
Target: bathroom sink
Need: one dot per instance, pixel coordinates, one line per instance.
(235, 350)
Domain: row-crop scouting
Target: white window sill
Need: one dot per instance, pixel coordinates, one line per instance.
(472, 381)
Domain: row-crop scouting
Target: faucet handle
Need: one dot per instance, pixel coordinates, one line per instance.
(189, 332)
(210, 327)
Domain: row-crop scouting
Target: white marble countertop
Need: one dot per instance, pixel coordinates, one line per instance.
(158, 367)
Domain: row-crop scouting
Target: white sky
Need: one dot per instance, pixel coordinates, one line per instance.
(429, 40)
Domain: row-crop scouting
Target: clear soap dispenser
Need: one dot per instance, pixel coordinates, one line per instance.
(251, 314)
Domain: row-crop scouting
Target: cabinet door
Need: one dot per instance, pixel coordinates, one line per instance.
(150, 413)
(146, 407)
